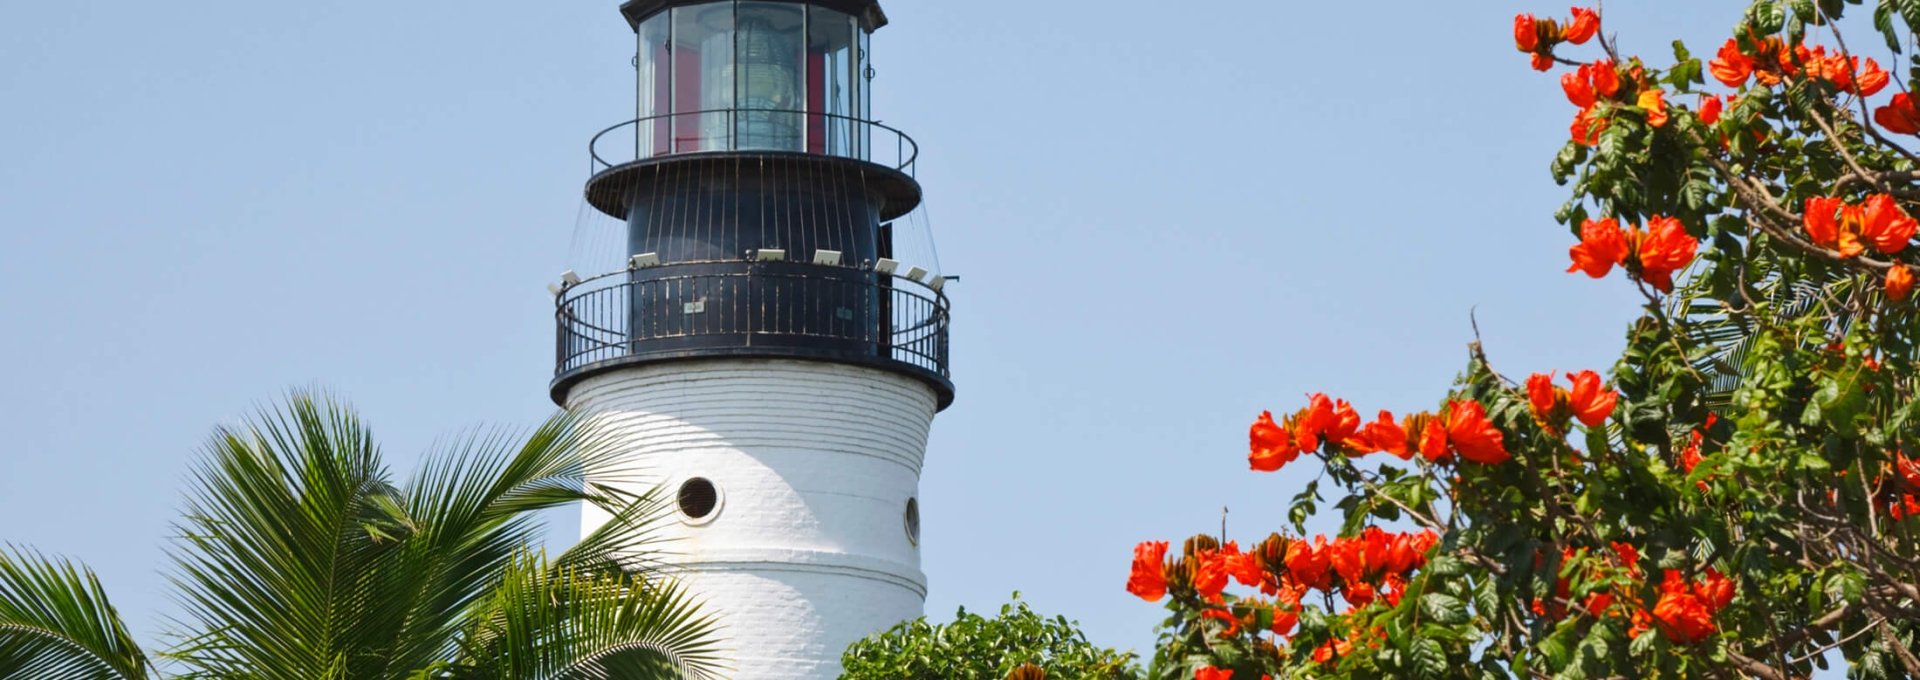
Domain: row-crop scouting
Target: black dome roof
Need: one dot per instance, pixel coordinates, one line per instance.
(869, 11)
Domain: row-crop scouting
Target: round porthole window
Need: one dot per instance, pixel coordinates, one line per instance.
(913, 521)
(699, 500)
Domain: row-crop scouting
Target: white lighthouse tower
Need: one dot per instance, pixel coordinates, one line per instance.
(762, 354)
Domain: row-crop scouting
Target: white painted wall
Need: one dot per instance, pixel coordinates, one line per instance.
(814, 462)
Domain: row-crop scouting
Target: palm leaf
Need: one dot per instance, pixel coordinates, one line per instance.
(548, 622)
(56, 622)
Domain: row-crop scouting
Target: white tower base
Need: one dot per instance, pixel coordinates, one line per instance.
(808, 549)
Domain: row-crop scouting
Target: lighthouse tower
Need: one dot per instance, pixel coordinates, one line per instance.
(762, 354)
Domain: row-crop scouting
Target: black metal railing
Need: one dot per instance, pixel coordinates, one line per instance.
(732, 130)
(761, 308)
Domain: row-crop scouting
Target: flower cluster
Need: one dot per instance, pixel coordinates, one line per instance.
(1849, 229)
(1659, 251)
(1461, 428)
(1537, 37)
(1371, 567)
(1588, 400)
(1686, 609)
(1772, 62)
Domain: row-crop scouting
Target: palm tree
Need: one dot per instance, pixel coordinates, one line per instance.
(299, 558)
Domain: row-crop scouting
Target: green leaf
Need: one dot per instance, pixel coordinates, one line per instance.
(1444, 608)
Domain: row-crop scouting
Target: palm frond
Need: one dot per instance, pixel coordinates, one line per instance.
(56, 622)
(548, 622)
(290, 531)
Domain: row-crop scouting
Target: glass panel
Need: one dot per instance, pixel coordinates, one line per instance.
(702, 76)
(767, 75)
(830, 84)
(656, 82)
(863, 97)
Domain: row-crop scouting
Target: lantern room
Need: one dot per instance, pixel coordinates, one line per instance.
(763, 75)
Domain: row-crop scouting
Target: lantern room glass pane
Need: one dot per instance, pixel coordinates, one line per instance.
(767, 75)
(702, 77)
(654, 69)
(831, 87)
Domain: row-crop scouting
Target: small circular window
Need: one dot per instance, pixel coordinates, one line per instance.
(913, 521)
(699, 500)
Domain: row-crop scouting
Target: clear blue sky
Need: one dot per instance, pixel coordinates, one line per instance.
(1168, 216)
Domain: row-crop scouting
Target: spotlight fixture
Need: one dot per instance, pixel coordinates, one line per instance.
(830, 258)
(886, 266)
(917, 274)
(770, 254)
(938, 283)
(569, 279)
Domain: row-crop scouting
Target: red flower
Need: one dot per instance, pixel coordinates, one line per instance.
(1308, 563)
(1542, 62)
(1579, 90)
(1731, 67)
(1821, 222)
(1210, 574)
(1541, 396)
(1433, 441)
(1385, 435)
(1284, 619)
(1590, 401)
(1869, 81)
(1662, 250)
(1681, 614)
(1526, 33)
(1899, 115)
(1270, 446)
(1586, 22)
(1602, 245)
(1312, 422)
(1244, 567)
(1149, 579)
(1715, 590)
(1211, 673)
(1710, 107)
(1606, 78)
(1655, 103)
(1474, 436)
(1886, 226)
(1899, 282)
(1345, 424)
(1586, 128)
(1331, 650)
(1909, 470)
(1233, 624)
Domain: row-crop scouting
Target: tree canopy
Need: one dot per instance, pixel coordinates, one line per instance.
(1738, 495)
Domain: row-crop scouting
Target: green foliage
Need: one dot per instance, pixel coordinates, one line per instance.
(974, 647)
(300, 558)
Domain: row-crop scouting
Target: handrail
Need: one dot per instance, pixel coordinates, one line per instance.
(774, 308)
(855, 146)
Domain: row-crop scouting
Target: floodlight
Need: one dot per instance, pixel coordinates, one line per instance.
(830, 258)
(886, 266)
(917, 274)
(555, 289)
(568, 278)
(770, 254)
(643, 260)
(938, 283)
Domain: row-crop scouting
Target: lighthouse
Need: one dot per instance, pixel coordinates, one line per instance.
(760, 350)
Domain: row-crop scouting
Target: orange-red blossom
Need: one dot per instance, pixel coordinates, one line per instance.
(1899, 115)
(1537, 37)
(1589, 400)
(1899, 282)
(1149, 580)
(1461, 428)
(1771, 62)
(1685, 610)
(1849, 229)
(1662, 249)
